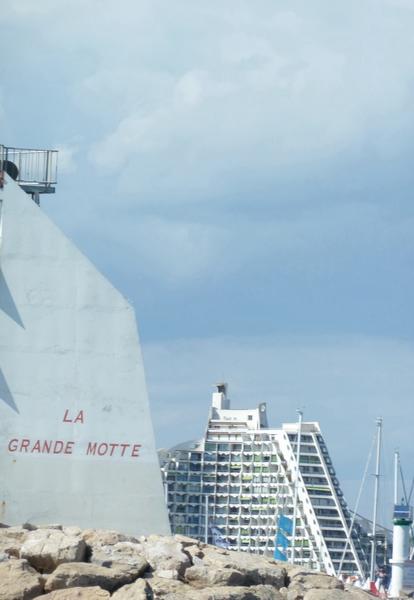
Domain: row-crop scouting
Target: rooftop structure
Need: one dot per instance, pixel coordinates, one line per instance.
(34, 170)
(237, 487)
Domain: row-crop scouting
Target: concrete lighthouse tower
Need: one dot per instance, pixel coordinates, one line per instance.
(400, 549)
(402, 567)
(76, 438)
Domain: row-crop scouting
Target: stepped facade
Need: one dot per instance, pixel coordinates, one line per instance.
(236, 487)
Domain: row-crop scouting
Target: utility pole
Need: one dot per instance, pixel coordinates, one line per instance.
(295, 493)
(374, 516)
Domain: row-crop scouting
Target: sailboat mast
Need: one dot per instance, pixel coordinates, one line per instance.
(374, 517)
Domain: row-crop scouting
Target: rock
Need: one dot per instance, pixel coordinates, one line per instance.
(326, 594)
(29, 526)
(77, 531)
(11, 539)
(86, 575)
(45, 549)
(108, 547)
(9, 548)
(194, 552)
(139, 590)
(295, 592)
(19, 581)
(356, 593)
(174, 568)
(78, 593)
(162, 588)
(259, 592)
(167, 574)
(165, 554)
(16, 534)
(127, 553)
(103, 537)
(186, 541)
(202, 576)
(257, 570)
(301, 578)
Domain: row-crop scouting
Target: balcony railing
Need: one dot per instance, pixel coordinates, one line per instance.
(34, 170)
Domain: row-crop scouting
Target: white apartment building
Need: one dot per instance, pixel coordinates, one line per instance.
(236, 485)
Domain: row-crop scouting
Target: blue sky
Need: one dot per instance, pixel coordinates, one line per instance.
(243, 172)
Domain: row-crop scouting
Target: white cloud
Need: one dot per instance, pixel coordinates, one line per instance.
(177, 252)
(280, 95)
(408, 4)
(67, 153)
(2, 112)
(189, 89)
(208, 90)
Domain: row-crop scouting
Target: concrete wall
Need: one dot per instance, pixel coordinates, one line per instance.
(76, 439)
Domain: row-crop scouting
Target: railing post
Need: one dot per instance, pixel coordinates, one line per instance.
(3, 155)
(47, 166)
(1, 166)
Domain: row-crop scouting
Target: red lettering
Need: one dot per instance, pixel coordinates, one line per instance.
(69, 448)
(65, 417)
(124, 447)
(36, 447)
(113, 446)
(58, 447)
(47, 446)
(135, 450)
(24, 444)
(79, 418)
(41, 446)
(102, 449)
(91, 449)
(13, 444)
(113, 449)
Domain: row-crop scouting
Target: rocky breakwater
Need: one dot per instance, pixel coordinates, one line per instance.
(67, 563)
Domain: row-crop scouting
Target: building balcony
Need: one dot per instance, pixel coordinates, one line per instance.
(319, 493)
(34, 170)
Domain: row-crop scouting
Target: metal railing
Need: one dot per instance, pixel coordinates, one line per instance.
(37, 168)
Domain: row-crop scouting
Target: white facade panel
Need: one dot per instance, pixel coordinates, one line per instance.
(76, 439)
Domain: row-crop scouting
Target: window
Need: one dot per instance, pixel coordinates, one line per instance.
(223, 447)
